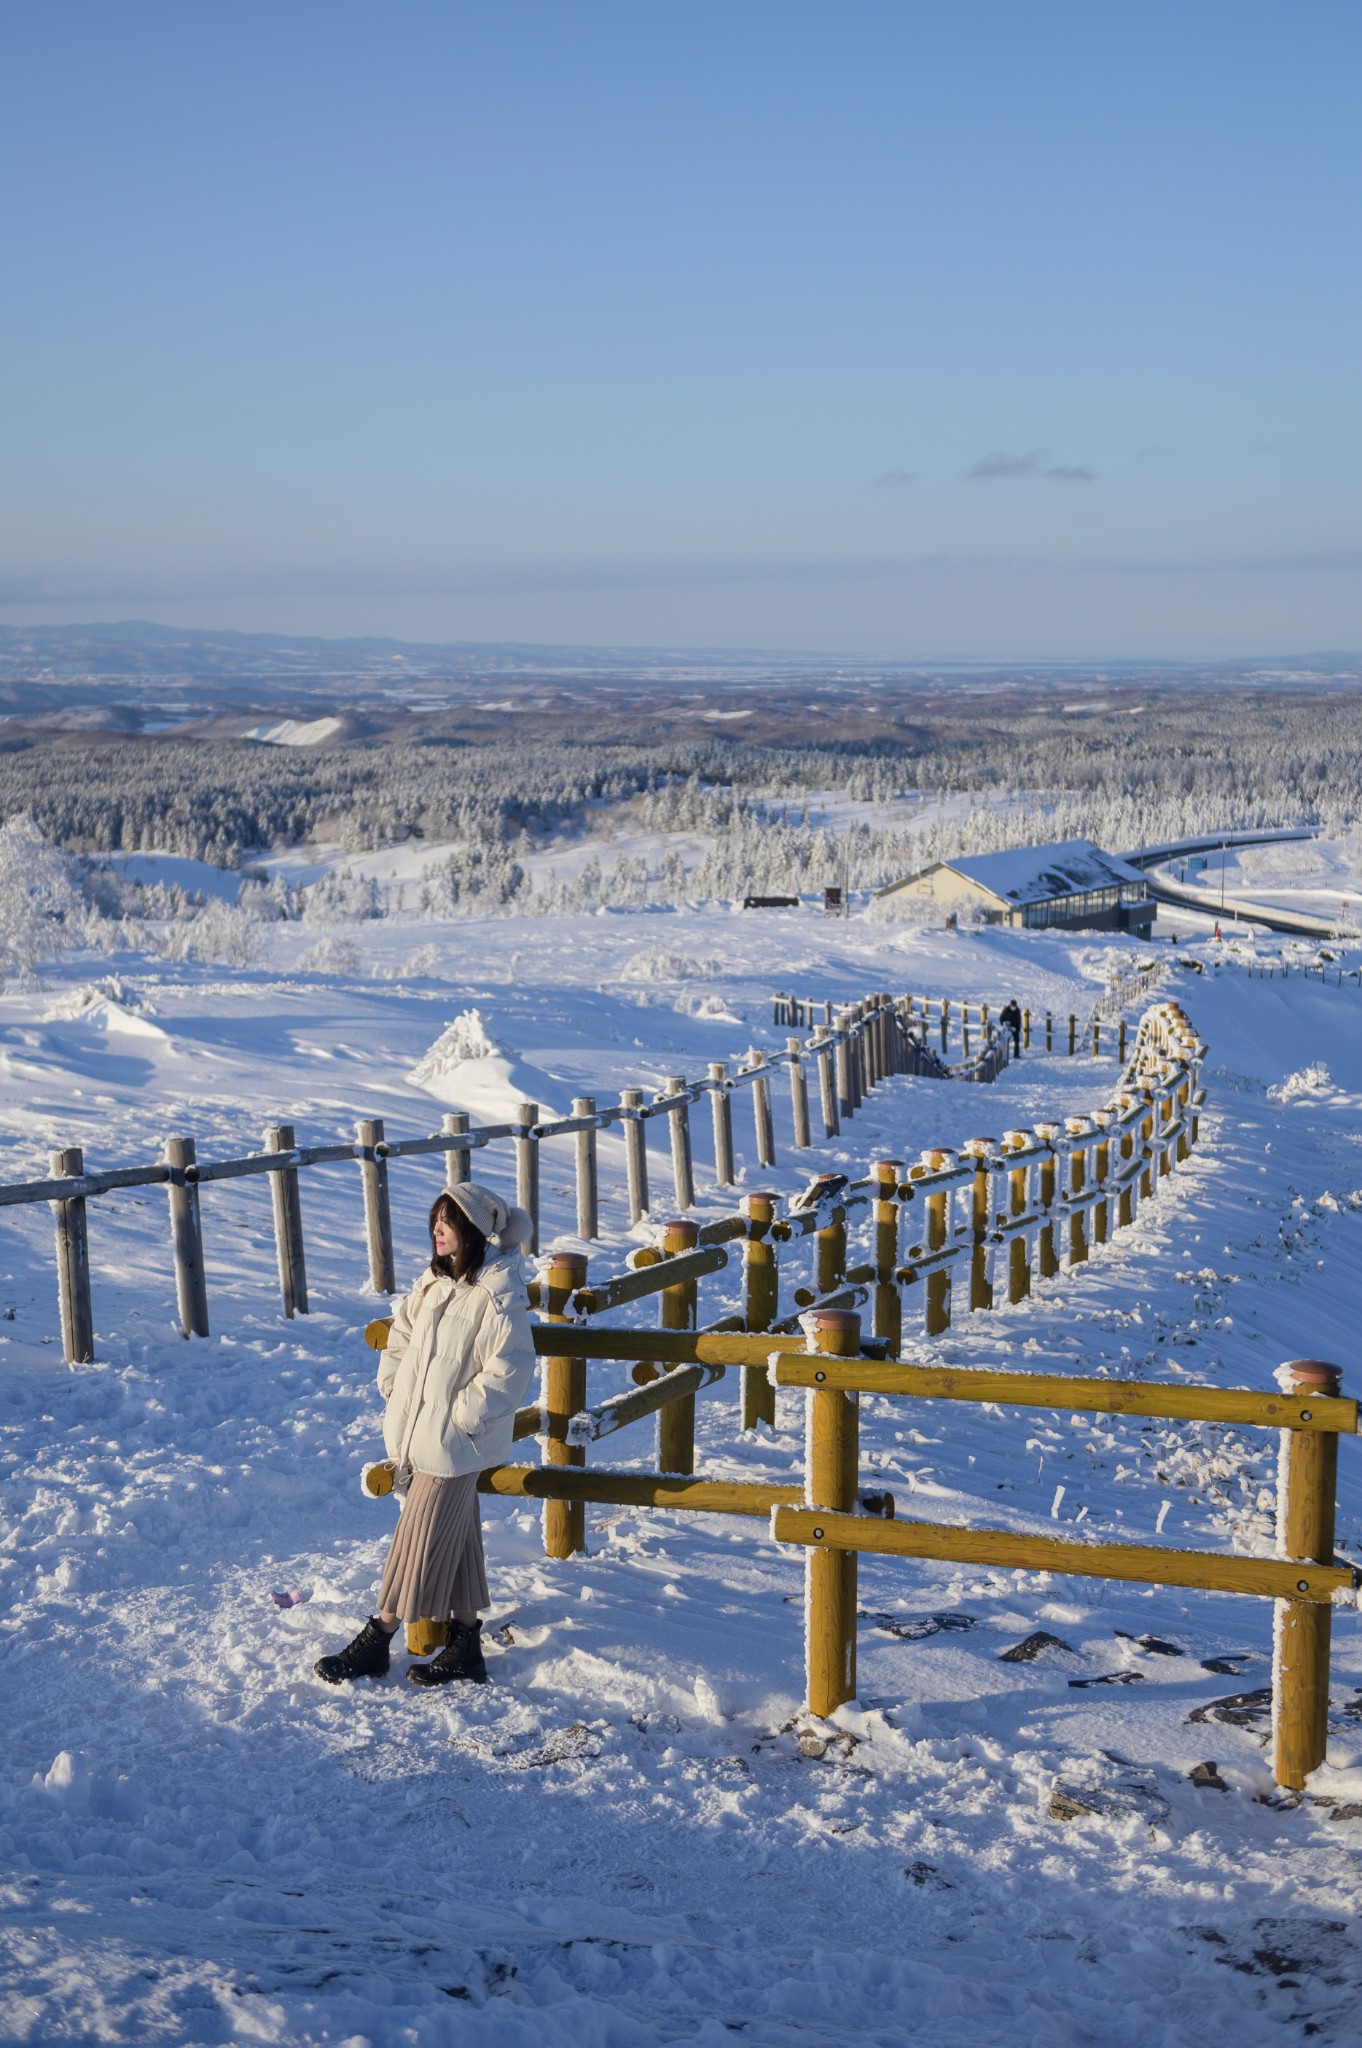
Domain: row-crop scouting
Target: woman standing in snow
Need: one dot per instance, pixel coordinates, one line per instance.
(458, 1363)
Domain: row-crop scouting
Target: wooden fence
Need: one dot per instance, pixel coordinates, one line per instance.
(846, 1060)
(1016, 1210)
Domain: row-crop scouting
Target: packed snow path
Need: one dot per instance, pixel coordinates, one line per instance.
(624, 1839)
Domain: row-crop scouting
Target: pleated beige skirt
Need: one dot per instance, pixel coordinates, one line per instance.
(435, 1567)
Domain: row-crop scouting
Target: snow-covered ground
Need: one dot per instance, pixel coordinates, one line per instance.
(622, 1840)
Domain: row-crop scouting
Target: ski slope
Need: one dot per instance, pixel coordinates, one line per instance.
(632, 1836)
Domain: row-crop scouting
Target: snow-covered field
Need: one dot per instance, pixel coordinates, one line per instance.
(622, 1840)
(1319, 877)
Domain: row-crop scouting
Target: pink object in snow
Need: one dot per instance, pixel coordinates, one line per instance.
(294, 1597)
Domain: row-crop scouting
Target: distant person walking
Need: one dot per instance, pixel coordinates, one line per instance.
(1010, 1017)
(458, 1363)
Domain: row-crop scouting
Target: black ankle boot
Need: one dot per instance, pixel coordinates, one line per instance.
(460, 1658)
(366, 1657)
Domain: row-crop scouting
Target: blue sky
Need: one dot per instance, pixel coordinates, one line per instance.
(906, 329)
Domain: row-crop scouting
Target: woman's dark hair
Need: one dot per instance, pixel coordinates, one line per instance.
(466, 1263)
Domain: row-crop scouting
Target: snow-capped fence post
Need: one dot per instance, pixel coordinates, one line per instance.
(563, 1384)
(683, 1172)
(827, 1090)
(527, 1166)
(73, 1262)
(1018, 1251)
(721, 1108)
(1145, 1128)
(1101, 1210)
(938, 1312)
(454, 1124)
(945, 1020)
(588, 1186)
(761, 1108)
(830, 1483)
(799, 1095)
(845, 1104)
(287, 1207)
(1048, 1178)
(676, 1422)
(186, 1237)
(980, 1150)
(1073, 1033)
(885, 1217)
(761, 1295)
(1125, 1201)
(635, 1152)
(1307, 1477)
(1078, 1130)
(378, 1223)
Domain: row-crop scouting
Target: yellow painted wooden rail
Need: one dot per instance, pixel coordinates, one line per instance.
(1303, 1579)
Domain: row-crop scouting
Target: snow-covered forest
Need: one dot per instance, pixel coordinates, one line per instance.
(500, 826)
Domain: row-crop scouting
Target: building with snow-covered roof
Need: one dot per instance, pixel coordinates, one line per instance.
(1072, 883)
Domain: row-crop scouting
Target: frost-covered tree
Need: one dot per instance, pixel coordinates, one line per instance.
(40, 905)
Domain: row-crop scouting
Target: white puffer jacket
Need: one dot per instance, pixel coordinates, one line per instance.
(459, 1362)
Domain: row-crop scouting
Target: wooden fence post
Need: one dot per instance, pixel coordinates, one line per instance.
(683, 1170)
(938, 1312)
(1097, 1038)
(1077, 1129)
(1018, 1254)
(761, 1108)
(761, 1297)
(527, 1167)
(1026, 1028)
(635, 1153)
(378, 1222)
(1305, 1535)
(831, 1483)
(1049, 1032)
(1125, 1201)
(288, 1224)
(458, 1169)
(827, 1089)
(563, 1381)
(588, 1178)
(885, 1212)
(721, 1106)
(676, 1422)
(1073, 1032)
(1101, 1213)
(845, 1103)
(1047, 1179)
(1147, 1146)
(830, 1252)
(1121, 1041)
(73, 1262)
(799, 1096)
(186, 1237)
(980, 1150)
(945, 1021)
